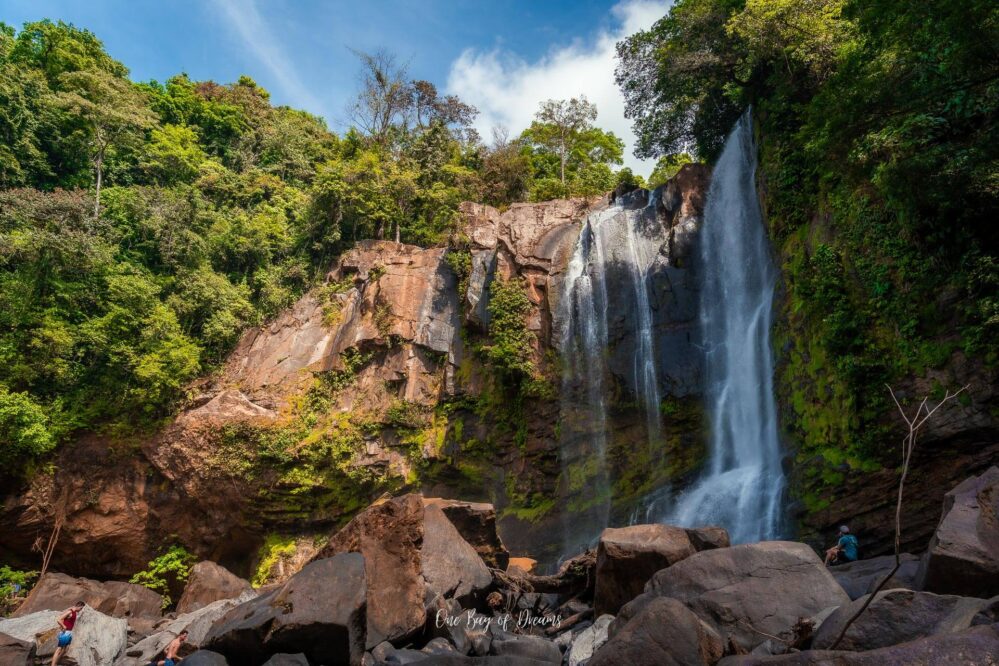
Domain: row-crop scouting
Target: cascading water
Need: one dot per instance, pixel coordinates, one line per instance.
(604, 304)
(742, 487)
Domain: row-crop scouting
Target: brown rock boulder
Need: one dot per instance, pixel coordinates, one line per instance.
(963, 555)
(977, 646)
(390, 536)
(707, 538)
(210, 582)
(476, 522)
(56, 591)
(319, 611)
(751, 588)
(898, 616)
(627, 557)
(663, 633)
(451, 567)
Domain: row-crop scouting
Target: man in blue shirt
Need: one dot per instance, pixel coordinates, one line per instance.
(845, 549)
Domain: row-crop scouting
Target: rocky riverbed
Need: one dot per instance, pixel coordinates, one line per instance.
(422, 580)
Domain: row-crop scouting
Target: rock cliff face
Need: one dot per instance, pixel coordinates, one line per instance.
(378, 380)
(381, 379)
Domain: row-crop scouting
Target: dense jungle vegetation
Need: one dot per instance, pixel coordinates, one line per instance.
(143, 226)
(878, 124)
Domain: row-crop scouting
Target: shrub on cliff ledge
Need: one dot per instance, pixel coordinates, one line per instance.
(167, 574)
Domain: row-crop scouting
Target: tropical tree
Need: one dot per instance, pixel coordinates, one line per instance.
(570, 156)
(112, 112)
(559, 125)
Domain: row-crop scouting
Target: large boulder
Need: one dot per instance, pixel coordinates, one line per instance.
(389, 535)
(56, 591)
(319, 611)
(963, 555)
(476, 522)
(451, 567)
(750, 590)
(98, 639)
(410, 549)
(209, 582)
(977, 646)
(663, 633)
(627, 557)
(898, 616)
(861, 577)
(16, 652)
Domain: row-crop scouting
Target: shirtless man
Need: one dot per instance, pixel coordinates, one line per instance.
(66, 622)
(170, 657)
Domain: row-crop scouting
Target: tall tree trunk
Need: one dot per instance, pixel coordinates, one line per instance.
(99, 164)
(397, 231)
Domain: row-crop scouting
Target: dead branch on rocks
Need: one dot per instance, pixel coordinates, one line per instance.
(915, 422)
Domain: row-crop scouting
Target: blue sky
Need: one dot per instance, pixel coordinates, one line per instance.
(503, 56)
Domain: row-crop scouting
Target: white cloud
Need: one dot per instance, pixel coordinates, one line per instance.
(507, 89)
(245, 19)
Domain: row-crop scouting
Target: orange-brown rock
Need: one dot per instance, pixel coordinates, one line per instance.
(56, 591)
(628, 557)
(209, 582)
(476, 522)
(389, 535)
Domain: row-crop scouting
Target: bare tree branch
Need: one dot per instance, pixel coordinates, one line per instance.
(908, 445)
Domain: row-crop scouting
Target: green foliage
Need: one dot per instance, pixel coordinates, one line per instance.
(166, 574)
(25, 433)
(510, 347)
(628, 180)
(173, 155)
(14, 585)
(666, 167)
(58, 48)
(568, 154)
(275, 549)
(877, 169)
(802, 35)
(676, 79)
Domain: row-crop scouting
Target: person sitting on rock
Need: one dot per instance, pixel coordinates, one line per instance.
(845, 549)
(170, 657)
(66, 622)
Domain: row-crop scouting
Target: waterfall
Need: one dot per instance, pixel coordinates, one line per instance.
(604, 304)
(742, 485)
